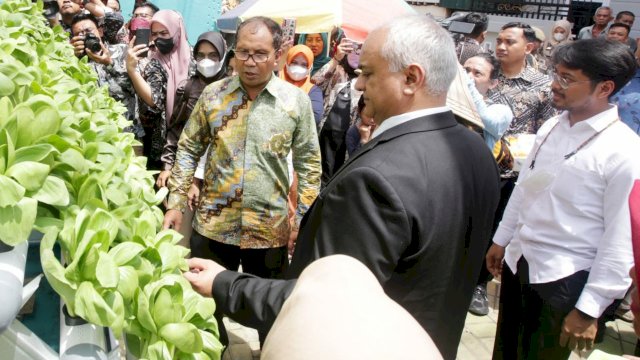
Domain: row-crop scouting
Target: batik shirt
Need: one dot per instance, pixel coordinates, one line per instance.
(244, 198)
(529, 96)
(152, 118)
(116, 79)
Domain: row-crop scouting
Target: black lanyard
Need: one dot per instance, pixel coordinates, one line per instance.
(569, 155)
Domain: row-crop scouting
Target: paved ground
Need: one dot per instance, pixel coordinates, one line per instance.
(477, 338)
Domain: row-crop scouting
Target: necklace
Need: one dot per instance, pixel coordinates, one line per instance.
(569, 155)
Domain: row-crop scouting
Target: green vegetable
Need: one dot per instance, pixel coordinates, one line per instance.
(68, 171)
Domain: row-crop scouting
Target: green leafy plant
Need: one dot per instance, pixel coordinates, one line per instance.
(68, 170)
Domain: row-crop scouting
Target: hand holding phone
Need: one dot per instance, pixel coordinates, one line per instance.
(142, 38)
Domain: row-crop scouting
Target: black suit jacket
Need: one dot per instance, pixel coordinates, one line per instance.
(416, 206)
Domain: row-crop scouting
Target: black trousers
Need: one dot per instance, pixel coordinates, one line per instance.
(531, 315)
(265, 263)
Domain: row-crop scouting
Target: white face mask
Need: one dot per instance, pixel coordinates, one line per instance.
(208, 68)
(297, 72)
(559, 36)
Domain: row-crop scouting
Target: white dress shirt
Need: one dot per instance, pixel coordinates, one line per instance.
(403, 118)
(578, 218)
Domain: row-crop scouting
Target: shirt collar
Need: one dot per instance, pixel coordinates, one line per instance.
(271, 86)
(402, 118)
(528, 74)
(596, 122)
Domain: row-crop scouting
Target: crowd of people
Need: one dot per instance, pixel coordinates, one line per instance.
(278, 152)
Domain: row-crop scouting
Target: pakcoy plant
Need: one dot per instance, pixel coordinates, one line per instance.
(68, 171)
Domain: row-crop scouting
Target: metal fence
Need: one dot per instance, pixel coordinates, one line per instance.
(539, 9)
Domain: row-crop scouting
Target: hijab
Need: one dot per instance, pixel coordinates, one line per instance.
(176, 63)
(305, 84)
(215, 39)
(323, 58)
(566, 26)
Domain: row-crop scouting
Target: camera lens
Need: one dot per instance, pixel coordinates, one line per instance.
(92, 43)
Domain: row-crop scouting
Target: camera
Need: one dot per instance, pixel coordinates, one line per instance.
(50, 8)
(92, 43)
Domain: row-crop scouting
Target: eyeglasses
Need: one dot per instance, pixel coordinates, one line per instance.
(257, 58)
(563, 82)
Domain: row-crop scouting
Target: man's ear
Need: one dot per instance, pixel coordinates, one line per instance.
(278, 55)
(528, 48)
(414, 79)
(604, 89)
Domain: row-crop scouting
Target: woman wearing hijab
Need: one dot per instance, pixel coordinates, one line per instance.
(209, 53)
(560, 34)
(297, 72)
(318, 43)
(156, 85)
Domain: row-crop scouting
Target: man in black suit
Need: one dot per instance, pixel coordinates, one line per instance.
(415, 204)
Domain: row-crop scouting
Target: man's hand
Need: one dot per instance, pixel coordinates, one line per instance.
(104, 57)
(172, 220)
(494, 259)
(162, 178)
(193, 195)
(202, 273)
(78, 45)
(291, 244)
(578, 332)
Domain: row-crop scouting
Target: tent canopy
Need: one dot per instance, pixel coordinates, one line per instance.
(356, 17)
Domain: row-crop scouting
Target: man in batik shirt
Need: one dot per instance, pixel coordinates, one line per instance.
(251, 122)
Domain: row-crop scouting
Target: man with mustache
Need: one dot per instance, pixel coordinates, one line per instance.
(565, 236)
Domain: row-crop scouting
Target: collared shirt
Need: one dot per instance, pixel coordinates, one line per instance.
(565, 216)
(403, 118)
(628, 100)
(246, 182)
(529, 96)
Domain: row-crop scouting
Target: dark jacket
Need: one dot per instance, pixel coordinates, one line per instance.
(416, 206)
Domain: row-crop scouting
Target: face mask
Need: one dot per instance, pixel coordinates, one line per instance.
(208, 68)
(297, 72)
(354, 60)
(164, 45)
(558, 36)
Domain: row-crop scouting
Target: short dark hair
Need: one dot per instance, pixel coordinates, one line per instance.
(599, 59)
(272, 26)
(623, 13)
(493, 61)
(81, 16)
(529, 33)
(147, 4)
(620, 25)
(481, 23)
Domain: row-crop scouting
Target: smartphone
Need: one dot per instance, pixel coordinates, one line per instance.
(142, 37)
(288, 30)
(357, 47)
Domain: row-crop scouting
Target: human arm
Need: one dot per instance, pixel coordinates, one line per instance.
(248, 299)
(495, 117)
(324, 74)
(192, 144)
(306, 157)
(142, 87)
(95, 7)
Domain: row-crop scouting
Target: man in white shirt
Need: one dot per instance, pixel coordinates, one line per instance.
(566, 228)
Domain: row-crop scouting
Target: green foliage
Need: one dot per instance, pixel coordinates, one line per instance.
(68, 170)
